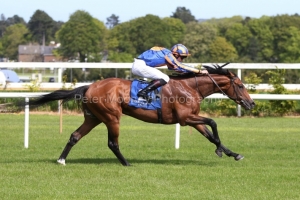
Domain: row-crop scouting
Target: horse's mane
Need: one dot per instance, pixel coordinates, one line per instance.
(214, 69)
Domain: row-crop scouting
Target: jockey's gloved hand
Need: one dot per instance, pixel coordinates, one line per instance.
(203, 71)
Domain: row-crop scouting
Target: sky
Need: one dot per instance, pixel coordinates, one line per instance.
(60, 10)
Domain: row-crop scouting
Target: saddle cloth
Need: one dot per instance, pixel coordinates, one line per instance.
(137, 102)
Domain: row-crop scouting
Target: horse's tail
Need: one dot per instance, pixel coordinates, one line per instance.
(65, 95)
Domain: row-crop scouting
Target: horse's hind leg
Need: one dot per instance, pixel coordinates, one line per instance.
(88, 124)
(113, 143)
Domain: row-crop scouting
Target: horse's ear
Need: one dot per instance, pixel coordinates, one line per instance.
(216, 66)
(224, 65)
(231, 73)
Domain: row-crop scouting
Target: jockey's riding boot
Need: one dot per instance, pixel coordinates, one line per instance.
(152, 86)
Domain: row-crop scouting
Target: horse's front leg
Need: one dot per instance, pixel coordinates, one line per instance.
(220, 147)
(199, 123)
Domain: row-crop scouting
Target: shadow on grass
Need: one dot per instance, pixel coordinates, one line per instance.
(113, 160)
(100, 161)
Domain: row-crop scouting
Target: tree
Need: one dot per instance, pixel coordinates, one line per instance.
(146, 32)
(15, 20)
(280, 27)
(9, 21)
(41, 27)
(140, 34)
(1, 49)
(239, 35)
(56, 27)
(112, 21)
(197, 39)
(291, 49)
(184, 15)
(120, 57)
(222, 51)
(81, 36)
(224, 23)
(261, 44)
(276, 80)
(14, 36)
(2, 25)
(176, 29)
(120, 48)
(73, 75)
(119, 39)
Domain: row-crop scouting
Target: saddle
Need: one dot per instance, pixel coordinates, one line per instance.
(135, 101)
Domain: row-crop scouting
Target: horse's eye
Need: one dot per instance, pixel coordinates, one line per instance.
(241, 86)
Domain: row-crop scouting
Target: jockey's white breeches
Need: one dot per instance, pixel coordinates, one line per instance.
(140, 68)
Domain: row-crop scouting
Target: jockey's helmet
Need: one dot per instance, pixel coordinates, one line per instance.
(180, 49)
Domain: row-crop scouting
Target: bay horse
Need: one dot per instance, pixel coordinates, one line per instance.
(106, 100)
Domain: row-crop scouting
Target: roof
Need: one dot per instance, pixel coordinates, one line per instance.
(35, 49)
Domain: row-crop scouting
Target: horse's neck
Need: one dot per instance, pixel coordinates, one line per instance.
(217, 83)
(206, 86)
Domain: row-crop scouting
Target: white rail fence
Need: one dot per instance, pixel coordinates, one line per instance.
(60, 66)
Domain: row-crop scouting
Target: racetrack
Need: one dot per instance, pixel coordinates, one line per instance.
(270, 169)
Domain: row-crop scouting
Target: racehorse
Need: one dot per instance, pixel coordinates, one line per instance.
(106, 100)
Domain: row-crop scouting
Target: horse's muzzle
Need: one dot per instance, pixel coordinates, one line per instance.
(247, 104)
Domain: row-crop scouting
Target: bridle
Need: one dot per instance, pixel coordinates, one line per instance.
(231, 84)
(232, 79)
(216, 84)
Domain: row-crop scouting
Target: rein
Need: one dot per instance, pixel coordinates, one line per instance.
(231, 80)
(213, 80)
(197, 86)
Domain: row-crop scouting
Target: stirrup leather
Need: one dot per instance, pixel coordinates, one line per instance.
(152, 86)
(144, 95)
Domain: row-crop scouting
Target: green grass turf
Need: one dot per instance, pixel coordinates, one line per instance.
(270, 169)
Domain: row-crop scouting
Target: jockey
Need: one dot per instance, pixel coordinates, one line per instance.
(144, 66)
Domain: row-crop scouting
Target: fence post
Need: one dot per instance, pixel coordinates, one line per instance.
(26, 126)
(177, 135)
(60, 115)
(59, 75)
(239, 74)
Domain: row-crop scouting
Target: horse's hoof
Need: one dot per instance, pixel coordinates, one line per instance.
(239, 157)
(127, 164)
(219, 153)
(61, 161)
